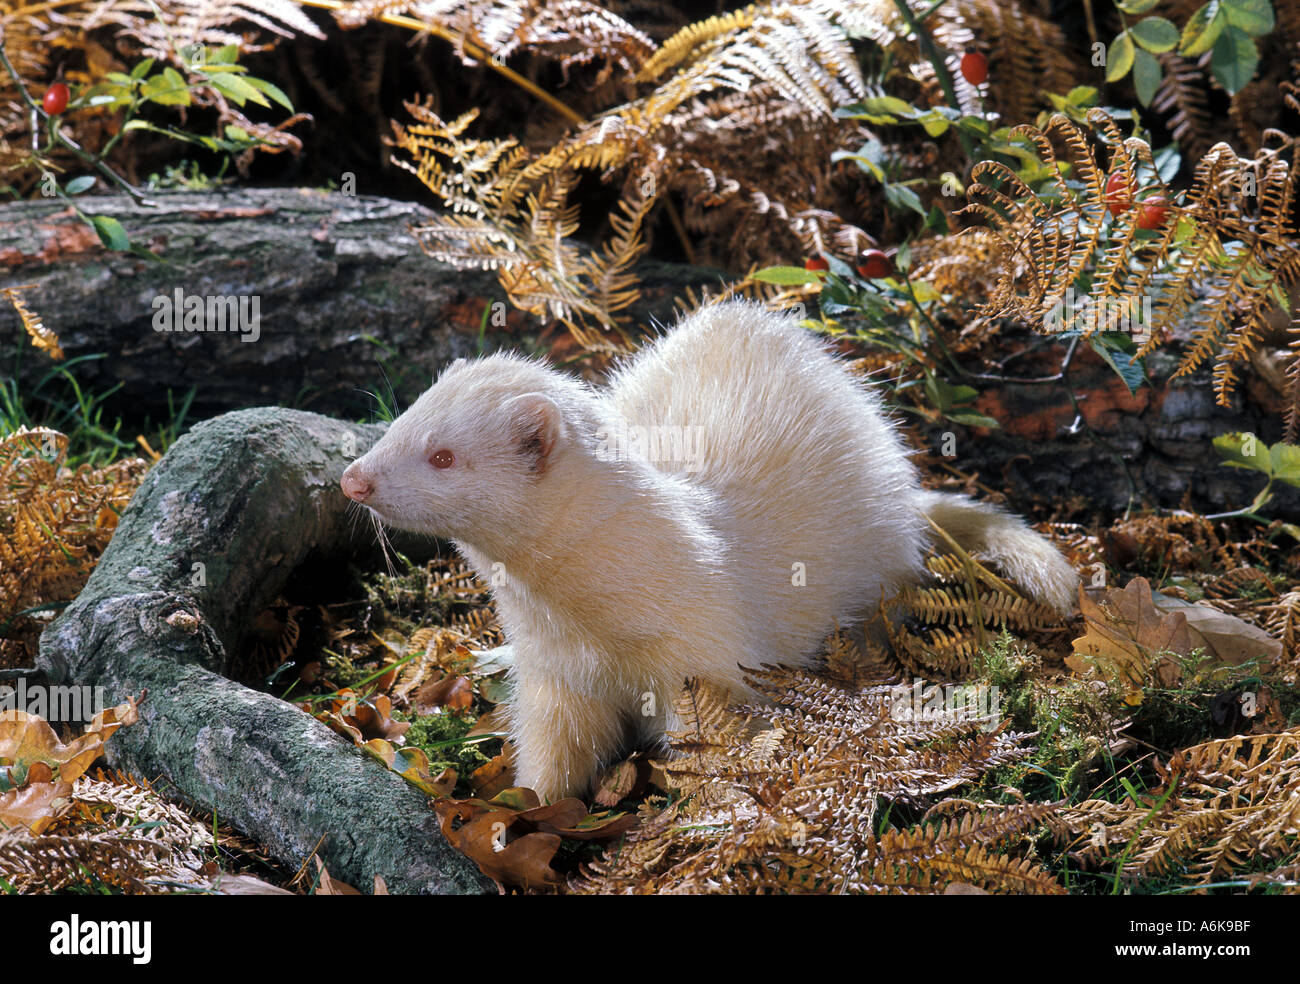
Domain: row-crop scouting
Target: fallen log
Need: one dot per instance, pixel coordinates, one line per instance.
(213, 534)
(347, 300)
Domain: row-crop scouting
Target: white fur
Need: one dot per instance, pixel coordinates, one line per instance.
(617, 577)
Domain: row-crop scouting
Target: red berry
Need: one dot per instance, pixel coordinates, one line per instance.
(816, 263)
(975, 67)
(1153, 212)
(1119, 193)
(875, 265)
(56, 99)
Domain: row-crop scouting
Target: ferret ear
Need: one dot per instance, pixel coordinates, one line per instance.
(538, 426)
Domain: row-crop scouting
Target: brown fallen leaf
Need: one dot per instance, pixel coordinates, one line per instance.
(227, 884)
(492, 777)
(1224, 637)
(514, 836)
(35, 806)
(359, 719)
(483, 836)
(620, 779)
(1125, 631)
(26, 739)
(412, 765)
(326, 885)
(452, 691)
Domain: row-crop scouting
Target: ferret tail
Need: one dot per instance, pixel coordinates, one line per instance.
(997, 536)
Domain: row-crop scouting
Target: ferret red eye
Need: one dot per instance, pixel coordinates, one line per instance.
(442, 459)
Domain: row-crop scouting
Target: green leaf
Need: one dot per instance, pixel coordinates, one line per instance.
(1128, 368)
(1119, 59)
(888, 104)
(1285, 460)
(271, 90)
(1202, 29)
(167, 89)
(110, 231)
(1155, 34)
(972, 419)
(237, 89)
(1233, 449)
(1167, 159)
(934, 123)
(869, 158)
(1136, 6)
(142, 69)
(209, 69)
(786, 276)
(1255, 17)
(227, 54)
(1146, 76)
(925, 293)
(77, 185)
(900, 196)
(1234, 60)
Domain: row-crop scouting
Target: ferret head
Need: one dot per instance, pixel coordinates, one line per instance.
(466, 460)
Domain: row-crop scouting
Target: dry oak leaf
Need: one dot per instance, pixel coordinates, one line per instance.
(36, 805)
(513, 836)
(1126, 631)
(26, 739)
(359, 719)
(481, 835)
(1226, 638)
(413, 766)
(452, 691)
(492, 777)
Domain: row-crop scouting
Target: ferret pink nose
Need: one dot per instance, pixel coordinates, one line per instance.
(356, 484)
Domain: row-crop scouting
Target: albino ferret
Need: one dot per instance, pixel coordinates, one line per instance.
(730, 498)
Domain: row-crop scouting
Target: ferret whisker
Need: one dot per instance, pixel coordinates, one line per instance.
(384, 544)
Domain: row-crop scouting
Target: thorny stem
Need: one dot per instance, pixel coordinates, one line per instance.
(58, 137)
(928, 49)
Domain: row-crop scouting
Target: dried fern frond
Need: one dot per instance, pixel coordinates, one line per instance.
(784, 798)
(159, 27)
(120, 834)
(711, 87)
(1224, 807)
(936, 631)
(41, 337)
(54, 521)
(1231, 241)
(512, 215)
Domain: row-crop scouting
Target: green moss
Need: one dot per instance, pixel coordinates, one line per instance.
(444, 738)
